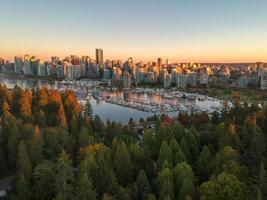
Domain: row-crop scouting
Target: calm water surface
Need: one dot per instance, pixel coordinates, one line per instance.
(105, 110)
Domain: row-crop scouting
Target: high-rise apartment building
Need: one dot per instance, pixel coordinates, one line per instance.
(18, 65)
(126, 80)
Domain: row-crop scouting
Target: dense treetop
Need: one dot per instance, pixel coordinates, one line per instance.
(55, 149)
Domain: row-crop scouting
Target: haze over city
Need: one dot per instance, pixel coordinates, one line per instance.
(182, 31)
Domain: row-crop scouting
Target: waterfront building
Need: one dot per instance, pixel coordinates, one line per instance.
(91, 73)
(2, 62)
(83, 69)
(259, 66)
(60, 71)
(8, 67)
(192, 78)
(48, 69)
(204, 79)
(174, 73)
(126, 80)
(243, 81)
(209, 71)
(107, 74)
(76, 71)
(160, 64)
(167, 80)
(18, 65)
(168, 62)
(55, 59)
(141, 76)
(254, 79)
(74, 59)
(27, 67)
(34, 66)
(117, 74)
(150, 77)
(99, 56)
(69, 74)
(226, 71)
(263, 78)
(182, 81)
(41, 68)
(213, 80)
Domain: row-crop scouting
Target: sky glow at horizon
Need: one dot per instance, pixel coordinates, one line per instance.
(180, 30)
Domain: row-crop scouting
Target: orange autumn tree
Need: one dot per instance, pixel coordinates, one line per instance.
(55, 113)
(42, 97)
(25, 104)
(71, 105)
(5, 97)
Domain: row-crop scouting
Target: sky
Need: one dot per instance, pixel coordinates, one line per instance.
(178, 30)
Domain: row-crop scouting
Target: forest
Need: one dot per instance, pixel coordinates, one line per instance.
(55, 149)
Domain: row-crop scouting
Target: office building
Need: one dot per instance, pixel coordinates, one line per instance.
(204, 79)
(106, 74)
(259, 66)
(69, 74)
(182, 81)
(99, 56)
(126, 80)
(117, 74)
(243, 81)
(192, 78)
(41, 69)
(18, 65)
(54, 59)
(263, 78)
(167, 80)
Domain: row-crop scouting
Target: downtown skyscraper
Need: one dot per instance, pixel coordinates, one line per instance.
(99, 56)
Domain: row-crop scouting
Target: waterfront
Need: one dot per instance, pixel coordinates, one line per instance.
(120, 106)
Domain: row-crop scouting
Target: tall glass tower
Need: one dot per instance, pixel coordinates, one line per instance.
(99, 56)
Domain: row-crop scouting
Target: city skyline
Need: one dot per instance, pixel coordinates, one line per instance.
(181, 31)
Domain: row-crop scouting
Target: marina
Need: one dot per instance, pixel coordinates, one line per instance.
(117, 105)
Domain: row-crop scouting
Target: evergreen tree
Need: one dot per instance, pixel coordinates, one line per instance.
(187, 189)
(3, 163)
(182, 172)
(84, 188)
(24, 163)
(13, 143)
(122, 194)
(151, 197)
(253, 144)
(143, 188)
(84, 137)
(123, 164)
(227, 161)
(165, 184)
(64, 177)
(22, 190)
(177, 153)
(224, 187)
(36, 147)
(203, 163)
(262, 183)
(44, 179)
(105, 179)
(222, 135)
(88, 111)
(185, 149)
(165, 153)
